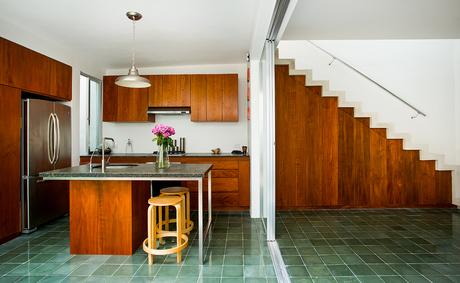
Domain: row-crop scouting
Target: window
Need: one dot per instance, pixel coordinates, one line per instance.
(90, 113)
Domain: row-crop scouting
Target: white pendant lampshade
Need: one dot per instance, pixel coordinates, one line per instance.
(133, 80)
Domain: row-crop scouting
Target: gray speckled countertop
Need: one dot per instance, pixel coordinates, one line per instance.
(191, 154)
(142, 171)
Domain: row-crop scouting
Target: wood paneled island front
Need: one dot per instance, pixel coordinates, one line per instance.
(108, 210)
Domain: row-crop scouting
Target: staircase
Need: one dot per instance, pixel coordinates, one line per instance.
(354, 160)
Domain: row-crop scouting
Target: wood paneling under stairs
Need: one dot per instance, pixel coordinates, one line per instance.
(326, 157)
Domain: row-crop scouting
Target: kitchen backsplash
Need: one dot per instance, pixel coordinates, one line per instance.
(200, 137)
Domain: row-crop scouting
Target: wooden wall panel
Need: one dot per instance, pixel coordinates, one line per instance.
(326, 157)
(286, 127)
(10, 170)
(132, 104)
(230, 98)
(354, 188)
(169, 90)
(378, 182)
(214, 97)
(107, 217)
(110, 99)
(198, 98)
(244, 180)
(27, 69)
(183, 90)
(156, 90)
(4, 68)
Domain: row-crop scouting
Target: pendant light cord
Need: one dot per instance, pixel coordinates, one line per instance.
(134, 42)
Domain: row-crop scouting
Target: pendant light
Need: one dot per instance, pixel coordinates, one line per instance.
(133, 80)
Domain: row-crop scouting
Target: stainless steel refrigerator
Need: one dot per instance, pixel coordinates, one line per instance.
(46, 145)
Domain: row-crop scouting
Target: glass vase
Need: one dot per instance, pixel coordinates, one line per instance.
(162, 157)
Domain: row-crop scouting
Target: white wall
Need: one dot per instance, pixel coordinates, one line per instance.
(426, 73)
(61, 53)
(419, 71)
(200, 136)
(456, 67)
(457, 97)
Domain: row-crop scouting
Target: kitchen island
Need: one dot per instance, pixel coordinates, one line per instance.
(108, 210)
(230, 176)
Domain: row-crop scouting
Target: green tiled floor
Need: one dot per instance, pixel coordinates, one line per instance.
(387, 245)
(237, 253)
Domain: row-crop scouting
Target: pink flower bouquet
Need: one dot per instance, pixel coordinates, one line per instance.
(163, 134)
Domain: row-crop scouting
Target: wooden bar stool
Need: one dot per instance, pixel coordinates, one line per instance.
(184, 193)
(155, 232)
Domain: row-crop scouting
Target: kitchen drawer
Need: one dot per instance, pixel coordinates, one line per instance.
(231, 173)
(217, 164)
(218, 185)
(220, 201)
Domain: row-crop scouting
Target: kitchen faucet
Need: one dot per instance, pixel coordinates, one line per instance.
(103, 152)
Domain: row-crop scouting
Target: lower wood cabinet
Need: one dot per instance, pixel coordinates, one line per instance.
(230, 179)
(10, 171)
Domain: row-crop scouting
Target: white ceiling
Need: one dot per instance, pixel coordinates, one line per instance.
(374, 19)
(172, 32)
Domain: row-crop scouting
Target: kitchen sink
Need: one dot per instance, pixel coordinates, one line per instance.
(115, 166)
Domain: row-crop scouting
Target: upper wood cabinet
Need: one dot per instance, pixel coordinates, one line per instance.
(214, 98)
(169, 91)
(211, 98)
(31, 71)
(61, 80)
(121, 104)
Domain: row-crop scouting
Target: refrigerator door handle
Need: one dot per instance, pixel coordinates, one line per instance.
(50, 139)
(58, 138)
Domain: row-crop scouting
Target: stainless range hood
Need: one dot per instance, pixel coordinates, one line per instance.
(168, 110)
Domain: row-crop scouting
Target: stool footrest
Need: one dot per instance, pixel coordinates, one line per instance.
(165, 251)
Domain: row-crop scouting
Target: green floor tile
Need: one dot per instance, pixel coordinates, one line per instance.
(254, 271)
(331, 259)
(146, 270)
(211, 271)
(361, 269)
(232, 271)
(105, 270)
(382, 269)
(318, 270)
(190, 271)
(340, 270)
(297, 271)
(168, 271)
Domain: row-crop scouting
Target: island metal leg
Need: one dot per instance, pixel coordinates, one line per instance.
(200, 220)
(209, 203)
(202, 234)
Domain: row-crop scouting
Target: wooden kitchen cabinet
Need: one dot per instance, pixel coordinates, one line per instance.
(60, 80)
(198, 98)
(169, 91)
(33, 72)
(211, 97)
(122, 104)
(27, 69)
(214, 98)
(10, 172)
